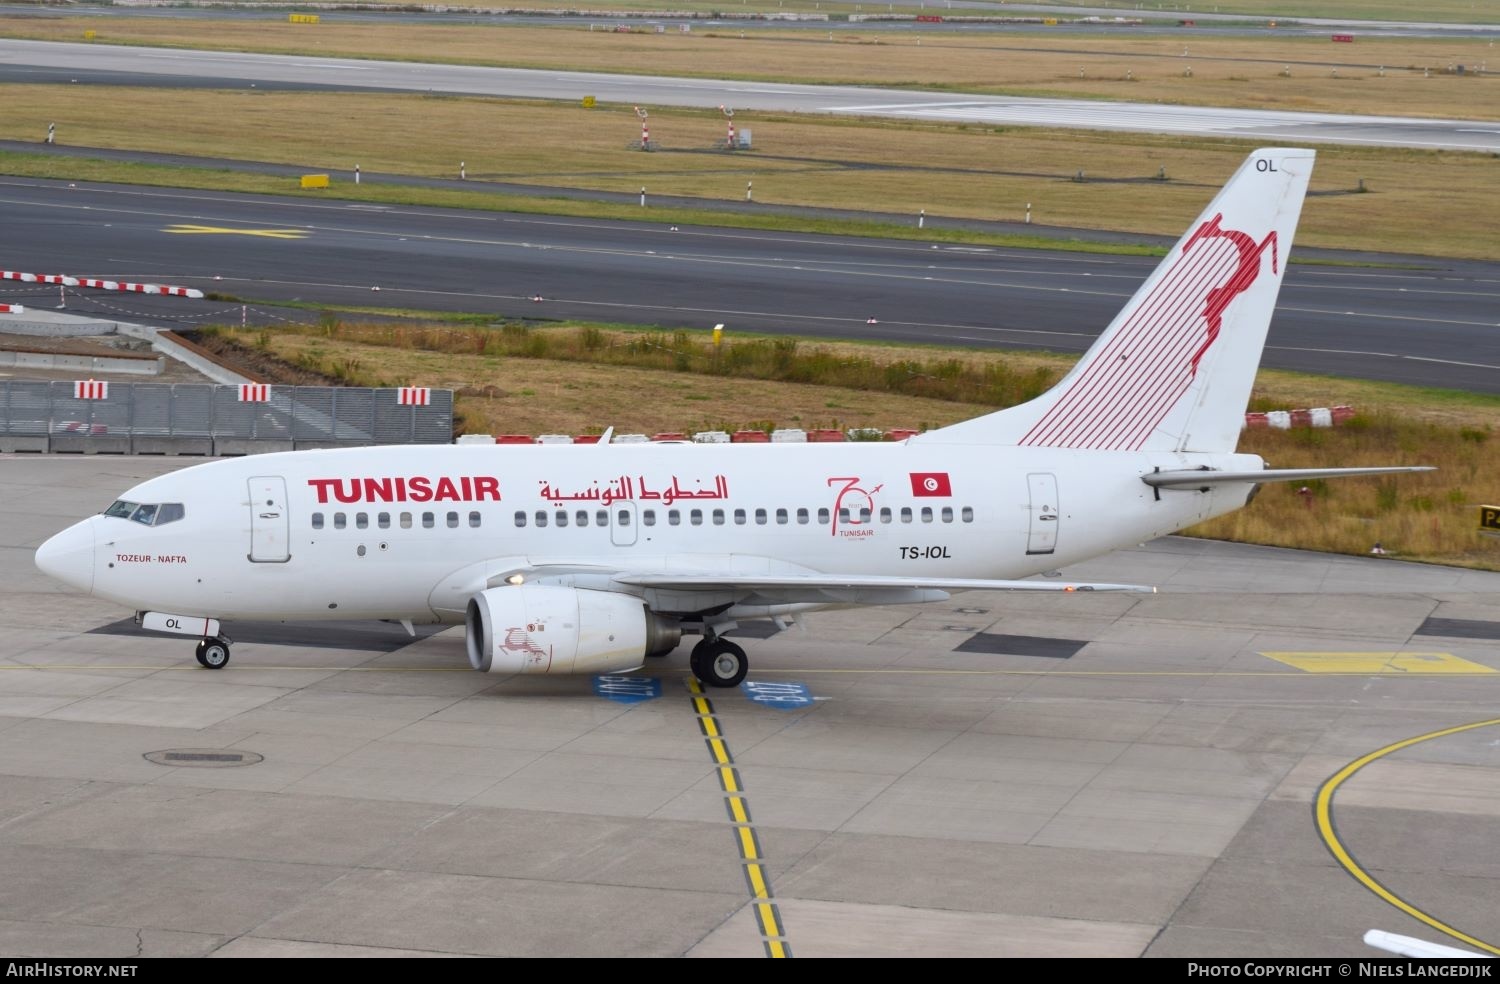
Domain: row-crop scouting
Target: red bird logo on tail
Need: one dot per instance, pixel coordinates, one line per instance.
(1219, 298)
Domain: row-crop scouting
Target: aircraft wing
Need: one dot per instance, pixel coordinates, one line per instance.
(1193, 478)
(845, 582)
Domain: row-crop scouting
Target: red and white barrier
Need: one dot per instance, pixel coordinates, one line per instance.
(12, 309)
(1287, 419)
(90, 389)
(39, 278)
(66, 281)
(413, 396)
(255, 392)
(139, 288)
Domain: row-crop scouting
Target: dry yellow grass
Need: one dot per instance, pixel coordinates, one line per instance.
(540, 396)
(1142, 67)
(1419, 202)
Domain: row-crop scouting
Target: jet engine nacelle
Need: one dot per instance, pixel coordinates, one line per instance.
(540, 628)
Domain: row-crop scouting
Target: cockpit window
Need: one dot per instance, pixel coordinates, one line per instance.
(147, 513)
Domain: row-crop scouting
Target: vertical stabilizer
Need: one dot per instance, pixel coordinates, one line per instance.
(1173, 371)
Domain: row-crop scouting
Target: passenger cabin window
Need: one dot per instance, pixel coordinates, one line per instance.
(718, 516)
(429, 520)
(864, 514)
(601, 517)
(782, 517)
(947, 514)
(317, 521)
(340, 521)
(760, 517)
(562, 517)
(520, 518)
(823, 516)
(968, 514)
(453, 520)
(885, 514)
(802, 517)
(674, 518)
(541, 517)
(406, 521)
(648, 518)
(739, 517)
(361, 521)
(926, 514)
(383, 520)
(695, 516)
(474, 520)
(623, 517)
(581, 518)
(906, 514)
(844, 514)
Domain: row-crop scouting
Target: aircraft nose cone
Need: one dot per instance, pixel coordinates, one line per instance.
(69, 556)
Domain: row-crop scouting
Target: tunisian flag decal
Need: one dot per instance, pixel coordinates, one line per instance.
(930, 483)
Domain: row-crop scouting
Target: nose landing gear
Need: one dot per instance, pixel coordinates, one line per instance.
(213, 653)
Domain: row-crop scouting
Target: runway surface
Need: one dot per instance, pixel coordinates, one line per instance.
(988, 776)
(233, 69)
(1416, 321)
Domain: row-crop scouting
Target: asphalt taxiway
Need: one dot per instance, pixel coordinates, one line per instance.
(993, 775)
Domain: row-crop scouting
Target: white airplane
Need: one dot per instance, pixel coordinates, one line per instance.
(587, 559)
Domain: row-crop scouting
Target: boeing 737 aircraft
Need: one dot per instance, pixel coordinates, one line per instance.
(588, 559)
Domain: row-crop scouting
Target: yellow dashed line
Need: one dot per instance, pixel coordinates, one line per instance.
(749, 849)
(756, 876)
(1323, 810)
(729, 780)
(767, 916)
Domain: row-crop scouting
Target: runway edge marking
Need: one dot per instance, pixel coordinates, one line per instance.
(1323, 815)
(767, 913)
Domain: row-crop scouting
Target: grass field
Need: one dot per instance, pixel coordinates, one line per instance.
(580, 379)
(1418, 202)
(1234, 72)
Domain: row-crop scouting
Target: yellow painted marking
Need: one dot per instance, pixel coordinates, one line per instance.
(709, 727)
(1267, 674)
(737, 811)
(202, 230)
(758, 887)
(720, 750)
(730, 779)
(749, 850)
(1379, 662)
(702, 706)
(770, 925)
(694, 687)
(1323, 809)
(777, 949)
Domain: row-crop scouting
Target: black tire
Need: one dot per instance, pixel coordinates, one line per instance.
(725, 666)
(213, 653)
(199, 654)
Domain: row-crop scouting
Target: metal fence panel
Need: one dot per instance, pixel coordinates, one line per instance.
(322, 414)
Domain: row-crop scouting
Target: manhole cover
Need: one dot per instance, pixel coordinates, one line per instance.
(203, 758)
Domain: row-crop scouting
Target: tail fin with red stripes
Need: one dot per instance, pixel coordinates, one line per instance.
(1174, 369)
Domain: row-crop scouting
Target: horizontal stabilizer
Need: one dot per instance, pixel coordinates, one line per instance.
(1199, 478)
(757, 582)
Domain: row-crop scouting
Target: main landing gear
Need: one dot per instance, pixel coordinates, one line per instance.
(717, 662)
(213, 653)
